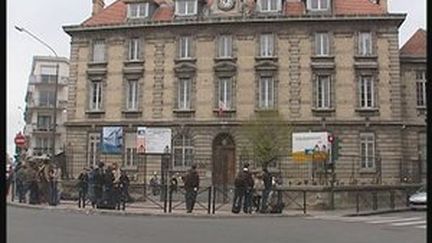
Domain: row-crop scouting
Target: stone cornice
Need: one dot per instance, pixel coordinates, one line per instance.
(398, 18)
(412, 59)
(173, 123)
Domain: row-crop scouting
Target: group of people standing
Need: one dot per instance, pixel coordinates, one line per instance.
(103, 187)
(248, 196)
(38, 181)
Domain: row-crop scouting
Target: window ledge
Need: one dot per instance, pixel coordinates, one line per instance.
(95, 112)
(131, 62)
(221, 59)
(323, 57)
(367, 171)
(265, 110)
(183, 111)
(190, 59)
(323, 110)
(93, 63)
(367, 109)
(370, 57)
(224, 111)
(131, 111)
(422, 108)
(272, 58)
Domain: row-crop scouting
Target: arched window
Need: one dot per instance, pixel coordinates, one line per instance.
(183, 151)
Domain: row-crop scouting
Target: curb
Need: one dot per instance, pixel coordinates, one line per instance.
(92, 211)
(377, 212)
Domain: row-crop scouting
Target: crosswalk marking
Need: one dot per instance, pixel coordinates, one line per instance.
(393, 220)
(421, 227)
(410, 223)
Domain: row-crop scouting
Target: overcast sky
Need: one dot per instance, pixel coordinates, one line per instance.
(45, 19)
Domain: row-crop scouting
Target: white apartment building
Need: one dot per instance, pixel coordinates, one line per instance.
(39, 99)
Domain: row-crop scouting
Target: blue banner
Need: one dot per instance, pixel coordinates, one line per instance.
(112, 140)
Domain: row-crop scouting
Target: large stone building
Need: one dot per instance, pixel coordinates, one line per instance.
(321, 64)
(39, 111)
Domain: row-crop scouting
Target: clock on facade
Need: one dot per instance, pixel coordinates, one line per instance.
(226, 4)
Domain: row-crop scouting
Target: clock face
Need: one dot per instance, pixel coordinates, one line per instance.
(226, 4)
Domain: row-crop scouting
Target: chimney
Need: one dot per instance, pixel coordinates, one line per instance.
(98, 6)
(383, 4)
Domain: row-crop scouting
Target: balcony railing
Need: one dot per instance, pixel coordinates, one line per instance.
(48, 79)
(61, 104)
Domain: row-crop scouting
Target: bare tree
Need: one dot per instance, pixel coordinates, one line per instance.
(269, 137)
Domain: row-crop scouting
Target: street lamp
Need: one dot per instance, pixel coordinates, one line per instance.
(21, 29)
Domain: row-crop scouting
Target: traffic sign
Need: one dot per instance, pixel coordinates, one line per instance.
(20, 140)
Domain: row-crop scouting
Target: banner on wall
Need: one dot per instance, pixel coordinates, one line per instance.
(112, 140)
(153, 140)
(310, 146)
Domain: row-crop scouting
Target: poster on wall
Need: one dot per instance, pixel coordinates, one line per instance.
(310, 146)
(153, 140)
(140, 140)
(112, 140)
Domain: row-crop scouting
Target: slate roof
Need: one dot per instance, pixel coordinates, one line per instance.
(416, 45)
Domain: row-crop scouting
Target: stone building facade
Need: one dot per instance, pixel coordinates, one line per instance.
(413, 78)
(323, 65)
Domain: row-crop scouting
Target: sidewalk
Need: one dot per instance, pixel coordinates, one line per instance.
(222, 211)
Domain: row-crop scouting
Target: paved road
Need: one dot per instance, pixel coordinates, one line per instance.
(44, 226)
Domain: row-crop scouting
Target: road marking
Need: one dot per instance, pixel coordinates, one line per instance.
(394, 220)
(409, 223)
(421, 227)
(364, 219)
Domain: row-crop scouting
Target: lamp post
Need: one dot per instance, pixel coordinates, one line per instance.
(21, 29)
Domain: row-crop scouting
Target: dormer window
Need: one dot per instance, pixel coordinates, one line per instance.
(318, 5)
(266, 6)
(138, 10)
(186, 7)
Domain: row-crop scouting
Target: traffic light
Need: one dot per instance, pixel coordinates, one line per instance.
(336, 147)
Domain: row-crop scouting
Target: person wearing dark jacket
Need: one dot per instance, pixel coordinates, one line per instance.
(249, 185)
(191, 184)
(107, 196)
(82, 188)
(99, 183)
(243, 189)
(267, 179)
(22, 182)
(124, 190)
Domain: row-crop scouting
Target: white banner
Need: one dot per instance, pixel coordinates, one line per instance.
(153, 140)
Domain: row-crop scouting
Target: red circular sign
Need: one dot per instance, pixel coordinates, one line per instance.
(20, 139)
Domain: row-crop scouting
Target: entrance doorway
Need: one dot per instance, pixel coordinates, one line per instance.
(223, 161)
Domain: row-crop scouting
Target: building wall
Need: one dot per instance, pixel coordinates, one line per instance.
(414, 118)
(294, 51)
